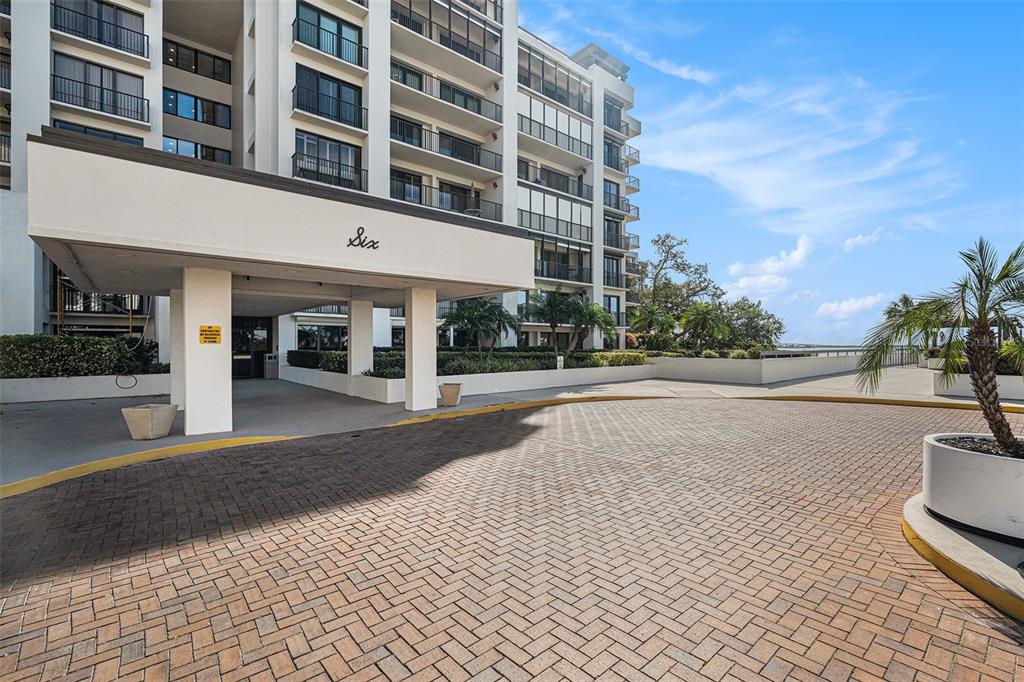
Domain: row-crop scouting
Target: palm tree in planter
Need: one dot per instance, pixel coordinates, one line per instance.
(655, 326)
(705, 323)
(584, 316)
(989, 299)
(483, 320)
(550, 307)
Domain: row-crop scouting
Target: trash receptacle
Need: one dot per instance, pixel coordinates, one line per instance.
(270, 366)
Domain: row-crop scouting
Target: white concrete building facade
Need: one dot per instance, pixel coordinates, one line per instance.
(334, 164)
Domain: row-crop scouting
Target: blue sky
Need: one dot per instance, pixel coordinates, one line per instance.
(823, 157)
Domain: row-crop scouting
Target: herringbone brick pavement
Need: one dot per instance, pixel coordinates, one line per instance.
(661, 539)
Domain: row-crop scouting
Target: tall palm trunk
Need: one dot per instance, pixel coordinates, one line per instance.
(981, 355)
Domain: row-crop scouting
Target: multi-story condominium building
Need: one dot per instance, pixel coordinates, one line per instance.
(442, 112)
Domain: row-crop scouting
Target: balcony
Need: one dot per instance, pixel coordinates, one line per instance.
(327, 107)
(328, 172)
(624, 241)
(562, 271)
(555, 181)
(442, 151)
(621, 204)
(443, 308)
(632, 266)
(621, 162)
(329, 43)
(5, 148)
(95, 30)
(623, 126)
(435, 33)
(491, 9)
(553, 225)
(620, 317)
(572, 148)
(616, 280)
(442, 100)
(67, 300)
(5, 72)
(425, 195)
(329, 309)
(631, 184)
(555, 92)
(632, 297)
(88, 96)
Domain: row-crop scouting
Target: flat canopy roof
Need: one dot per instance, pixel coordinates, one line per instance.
(124, 219)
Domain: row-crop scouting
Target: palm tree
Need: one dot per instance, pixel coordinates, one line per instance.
(584, 315)
(989, 297)
(484, 320)
(654, 325)
(705, 323)
(551, 307)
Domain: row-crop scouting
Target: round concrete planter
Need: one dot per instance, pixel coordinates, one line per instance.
(978, 490)
(451, 394)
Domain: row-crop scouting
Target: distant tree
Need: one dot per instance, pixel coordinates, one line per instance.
(656, 274)
(750, 324)
(704, 323)
(483, 320)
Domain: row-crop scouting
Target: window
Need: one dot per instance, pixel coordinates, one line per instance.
(538, 72)
(611, 304)
(406, 186)
(329, 34)
(196, 108)
(398, 337)
(406, 131)
(612, 226)
(611, 265)
(322, 337)
(196, 150)
(196, 61)
(96, 132)
(612, 113)
(329, 97)
(97, 87)
(406, 75)
(103, 23)
(325, 160)
(460, 98)
(611, 189)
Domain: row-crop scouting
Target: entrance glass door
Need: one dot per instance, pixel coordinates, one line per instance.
(251, 339)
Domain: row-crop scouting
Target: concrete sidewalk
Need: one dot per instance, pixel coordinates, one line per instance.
(37, 438)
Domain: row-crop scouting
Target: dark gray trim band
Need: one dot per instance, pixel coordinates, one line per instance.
(155, 157)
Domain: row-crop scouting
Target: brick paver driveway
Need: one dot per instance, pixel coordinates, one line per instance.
(658, 539)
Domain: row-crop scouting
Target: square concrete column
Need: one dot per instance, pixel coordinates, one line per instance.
(160, 312)
(206, 299)
(420, 349)
(177, 343)
(382, 327)
(360, 337)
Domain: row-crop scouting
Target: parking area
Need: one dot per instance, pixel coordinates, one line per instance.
(649, 539)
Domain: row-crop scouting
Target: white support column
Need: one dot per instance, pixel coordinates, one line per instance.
(360, 337)
(206, 299)
(420, 349)
(177, 339)
(622, 339)
(509, 301)
(382, 327)
(160, 312)
(286, 337)
(376, 153)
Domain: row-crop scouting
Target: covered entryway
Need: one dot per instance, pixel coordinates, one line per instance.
(251, 339)
(253, 245)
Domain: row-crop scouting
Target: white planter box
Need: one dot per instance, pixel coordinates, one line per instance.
(936, 363)
(328, 381)
(82, 388)
(979, 490)
(754, 372)
(1010, 387)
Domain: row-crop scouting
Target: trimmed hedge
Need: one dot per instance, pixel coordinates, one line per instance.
(30, 356)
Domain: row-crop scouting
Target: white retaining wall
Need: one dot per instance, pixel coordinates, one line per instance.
(753, 372)
(79, 388)
(1010, 387)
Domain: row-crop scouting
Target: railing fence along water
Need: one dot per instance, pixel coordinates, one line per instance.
(96, 30)
(899, 357)
(328, 106)
(442, 143)
(446, 201)
(94, 97)
(329, 42)
(329, 172)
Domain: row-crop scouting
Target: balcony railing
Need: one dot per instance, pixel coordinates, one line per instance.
(74, 301)
(446, 201)
(624, 240)
(5, 71)
(632, 297)
(556, 137)
(555, 92)
(443, 308)
(614, 279)
(94, 97)
(329, 309)
(568, 273)
(5, 148)
(556, 182)
(632, 267)
(620, 203)
(632, 183)
(329, 172)
(553, 225)
(630, 154)
(446, 92)
(491, 9)
(620, 317)
(440, 143)
(442, 35)
(96, 30)
(328, 42)
(333, 108)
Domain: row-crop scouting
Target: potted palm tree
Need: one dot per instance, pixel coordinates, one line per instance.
(485, 321)
(973, 479)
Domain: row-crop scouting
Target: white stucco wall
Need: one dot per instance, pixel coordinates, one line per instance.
(1010, 387)
(81, 388)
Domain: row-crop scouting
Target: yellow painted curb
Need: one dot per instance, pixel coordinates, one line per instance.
(1014, 409)
(1009, 604)
(508, 407)
(36, 482)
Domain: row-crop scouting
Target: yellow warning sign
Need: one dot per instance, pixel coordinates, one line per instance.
(209, 333)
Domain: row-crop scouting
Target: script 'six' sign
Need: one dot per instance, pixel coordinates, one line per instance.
(361, 242)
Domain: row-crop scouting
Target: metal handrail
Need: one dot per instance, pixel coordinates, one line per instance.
(433, 197)
(442, 35)
(555, 92)
(622, 240)
(327, 309)
(5, 148)
(308, 33)
(5, 72)
(632, 267)
(620, 203)
(333, 108)
(557, 182)
(90, 96)
(443, 143)
(620, 317)
(557, 138)
(446, 92)
(614, 279)
(96, 30)
(632, 182)
(569, 273)
(553, 225)
(330, 172)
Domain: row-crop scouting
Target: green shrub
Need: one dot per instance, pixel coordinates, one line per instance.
(310, 359)
(390, 373)
(334, 361)
(709, 354)
(26, 356)
(753, 353)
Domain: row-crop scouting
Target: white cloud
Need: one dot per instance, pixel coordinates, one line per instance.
(862, 239)
(757, 287)
(686, 72)
(849, 307)
(773, 265)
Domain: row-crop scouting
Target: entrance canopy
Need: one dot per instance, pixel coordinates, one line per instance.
(123, 219)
